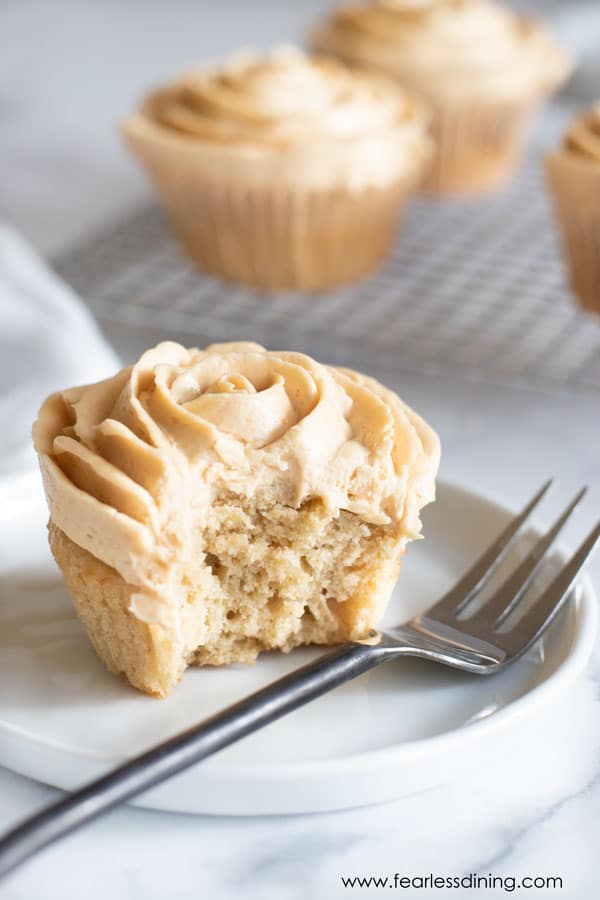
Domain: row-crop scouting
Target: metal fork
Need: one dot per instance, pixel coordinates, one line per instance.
(477, 643)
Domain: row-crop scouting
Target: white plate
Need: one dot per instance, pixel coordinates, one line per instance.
(64, 720)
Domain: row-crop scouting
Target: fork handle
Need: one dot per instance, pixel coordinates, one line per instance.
(172, 756)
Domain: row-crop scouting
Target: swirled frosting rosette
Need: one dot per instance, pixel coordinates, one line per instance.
(144, 470)
(281, 100)
(278, 151)
(573, 175)
(481, 67)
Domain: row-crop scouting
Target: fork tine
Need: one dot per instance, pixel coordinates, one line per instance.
(535, 622)
(472, 581)
(506, 598)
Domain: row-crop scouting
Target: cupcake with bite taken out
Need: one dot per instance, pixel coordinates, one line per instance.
(207, 505)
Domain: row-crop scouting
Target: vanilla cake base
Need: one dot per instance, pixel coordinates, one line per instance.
(271, 578)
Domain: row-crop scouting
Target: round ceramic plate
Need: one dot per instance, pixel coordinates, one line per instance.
(397, 729)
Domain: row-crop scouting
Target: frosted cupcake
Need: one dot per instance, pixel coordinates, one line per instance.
(282, 171)
(573, 174)
(209, 504)
(482, 69)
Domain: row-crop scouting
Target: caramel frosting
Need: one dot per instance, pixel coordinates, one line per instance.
(288, 114)
(280, 99)
(582, 137)
(132, 465)
(445, 46)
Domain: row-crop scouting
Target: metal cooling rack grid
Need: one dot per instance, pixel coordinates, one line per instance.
(475, 288)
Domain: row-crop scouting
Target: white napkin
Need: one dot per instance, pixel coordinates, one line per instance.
(48, 340)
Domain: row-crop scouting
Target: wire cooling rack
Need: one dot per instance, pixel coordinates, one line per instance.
(473, 287)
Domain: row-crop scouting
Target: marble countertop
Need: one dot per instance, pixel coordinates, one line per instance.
(68, 71)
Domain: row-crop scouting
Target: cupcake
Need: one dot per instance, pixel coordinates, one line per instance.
(481, 68)
(282, 171)
(206, 505)
(573, 175)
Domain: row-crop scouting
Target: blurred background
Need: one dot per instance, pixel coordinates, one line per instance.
(470, 320)
(70, 71)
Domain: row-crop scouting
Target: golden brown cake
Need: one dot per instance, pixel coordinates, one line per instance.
(481, 68)
(573, 174)
(209, 504)
(282, 171)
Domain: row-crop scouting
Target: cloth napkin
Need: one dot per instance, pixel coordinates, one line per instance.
(48, 340)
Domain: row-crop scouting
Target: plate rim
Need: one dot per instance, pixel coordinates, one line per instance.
(584, 638)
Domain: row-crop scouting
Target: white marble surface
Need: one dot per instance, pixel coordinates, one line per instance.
(68, 71)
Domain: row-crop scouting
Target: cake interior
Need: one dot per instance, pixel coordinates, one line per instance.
(262, 577)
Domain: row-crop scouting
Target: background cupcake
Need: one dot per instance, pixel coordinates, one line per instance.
(573, 173)
(284, 171)
(481, 68)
